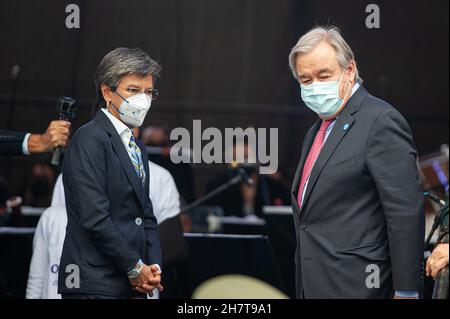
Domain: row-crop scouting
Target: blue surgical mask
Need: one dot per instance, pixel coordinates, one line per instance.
(322, 97)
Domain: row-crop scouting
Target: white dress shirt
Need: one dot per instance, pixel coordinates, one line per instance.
(163, 193)
(48, 244)
(123, 130)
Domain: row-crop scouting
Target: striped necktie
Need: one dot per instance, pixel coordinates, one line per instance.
(136, 159)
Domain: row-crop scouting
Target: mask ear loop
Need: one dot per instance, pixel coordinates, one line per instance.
(346, 92)
(120, 96)
(114, 106)
(348, 86)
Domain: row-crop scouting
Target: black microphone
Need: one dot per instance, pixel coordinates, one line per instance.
(240, 171)
(66, 107)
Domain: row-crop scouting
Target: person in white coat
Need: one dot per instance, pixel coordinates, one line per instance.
(50, 232)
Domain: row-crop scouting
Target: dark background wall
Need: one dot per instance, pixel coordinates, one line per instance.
(224, 62)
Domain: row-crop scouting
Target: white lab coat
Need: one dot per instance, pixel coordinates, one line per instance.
(51, 230)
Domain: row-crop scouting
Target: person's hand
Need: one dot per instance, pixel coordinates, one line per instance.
(56, 135)
(437, 261)
(148, 280)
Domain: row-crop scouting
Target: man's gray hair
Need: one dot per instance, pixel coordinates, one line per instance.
(120, 62)
(332, 35)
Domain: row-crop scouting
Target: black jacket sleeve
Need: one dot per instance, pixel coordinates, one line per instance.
(11, 142)
(392, 161)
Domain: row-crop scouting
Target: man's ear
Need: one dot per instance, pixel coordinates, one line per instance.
(351, 69)
(106, 92)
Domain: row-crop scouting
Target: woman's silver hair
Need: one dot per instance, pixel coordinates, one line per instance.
(331, 35)
(120, 62)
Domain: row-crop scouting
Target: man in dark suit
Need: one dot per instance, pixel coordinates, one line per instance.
(112, 248)
(356, 196)
(20, 143)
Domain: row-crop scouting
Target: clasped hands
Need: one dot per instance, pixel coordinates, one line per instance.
(148, 280)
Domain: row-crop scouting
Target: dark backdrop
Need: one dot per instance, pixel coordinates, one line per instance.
(224, 62)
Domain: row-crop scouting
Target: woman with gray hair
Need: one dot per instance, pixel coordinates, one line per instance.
(111, 248)
(131, 68)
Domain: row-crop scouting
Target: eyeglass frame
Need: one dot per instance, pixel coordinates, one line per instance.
(154, 92)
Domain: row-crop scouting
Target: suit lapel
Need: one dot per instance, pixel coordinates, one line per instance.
(342, 125)
(128, 166)
(123, 156)
(146, 168)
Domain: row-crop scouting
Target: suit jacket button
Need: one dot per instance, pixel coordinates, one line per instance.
(138, 221)
(303, 227)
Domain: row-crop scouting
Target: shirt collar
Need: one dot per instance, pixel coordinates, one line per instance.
(355, 87)
(118, 124)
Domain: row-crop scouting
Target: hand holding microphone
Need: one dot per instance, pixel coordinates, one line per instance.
(66, 109)
(56, 135)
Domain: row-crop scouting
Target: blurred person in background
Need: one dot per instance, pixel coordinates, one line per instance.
(156, 138)
(243, 200)
(39, 187)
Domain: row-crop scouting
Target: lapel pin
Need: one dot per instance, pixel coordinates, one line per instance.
(345, 127)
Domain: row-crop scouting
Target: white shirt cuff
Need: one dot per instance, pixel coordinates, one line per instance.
(406, 294)
(25, 150)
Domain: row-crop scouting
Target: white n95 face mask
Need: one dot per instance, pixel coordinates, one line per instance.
(133, 110)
